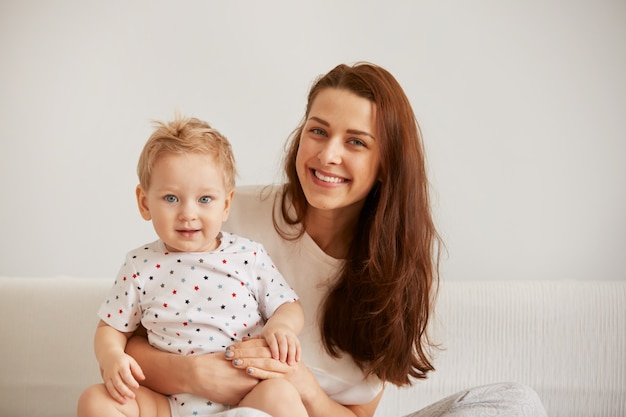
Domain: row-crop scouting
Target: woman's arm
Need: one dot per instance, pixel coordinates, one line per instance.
(254, 357)
(318, 403)
(367, 410)
(209, 376)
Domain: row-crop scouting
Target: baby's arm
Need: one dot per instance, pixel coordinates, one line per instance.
(281, 332)
(118, 369)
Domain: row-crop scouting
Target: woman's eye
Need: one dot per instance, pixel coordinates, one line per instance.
(357, 142)
(171, 198)
(205, 199)
(318, 131)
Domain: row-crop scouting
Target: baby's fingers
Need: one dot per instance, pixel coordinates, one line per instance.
(289, 348)
(126, 383)
(122, 386)
(294, 353)
(284, 348)
(118, 391)
(273, 344)
(136, 371)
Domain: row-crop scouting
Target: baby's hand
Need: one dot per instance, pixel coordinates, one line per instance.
(118, 373)
(283, 343)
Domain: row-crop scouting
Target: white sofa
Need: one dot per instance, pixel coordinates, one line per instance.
(565, 339)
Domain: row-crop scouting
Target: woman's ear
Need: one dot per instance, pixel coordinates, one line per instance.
(142, 203)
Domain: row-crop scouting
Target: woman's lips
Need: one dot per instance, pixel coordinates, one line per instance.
(331, 179)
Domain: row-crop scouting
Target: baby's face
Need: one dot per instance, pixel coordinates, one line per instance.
(187, 201)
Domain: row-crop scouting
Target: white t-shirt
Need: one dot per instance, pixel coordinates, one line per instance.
(309, 271)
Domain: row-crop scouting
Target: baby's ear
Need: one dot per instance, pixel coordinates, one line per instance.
(228, 200)
(142, 203)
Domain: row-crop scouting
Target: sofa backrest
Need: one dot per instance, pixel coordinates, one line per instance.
(565, 339)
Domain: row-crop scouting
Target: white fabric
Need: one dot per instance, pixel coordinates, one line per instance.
(241, 412)
(309, 271)
(564, 338)
(570, 332)
(195, 303)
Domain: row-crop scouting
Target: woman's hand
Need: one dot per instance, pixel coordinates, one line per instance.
(214, 378)
(209, 376)
(254, 356)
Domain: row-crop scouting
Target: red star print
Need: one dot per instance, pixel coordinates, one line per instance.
(196, 288)
(158, 266)
(174, 292)
(165, 305)
(185, 323)
(135, 276)
(124, 279)
(234, 295)
(223, 261)
(121, 311)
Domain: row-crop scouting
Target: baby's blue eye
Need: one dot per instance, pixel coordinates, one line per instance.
(170, 198)
(205, 199)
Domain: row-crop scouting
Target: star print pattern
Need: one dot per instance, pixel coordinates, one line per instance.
(196, 303)
(226, 294)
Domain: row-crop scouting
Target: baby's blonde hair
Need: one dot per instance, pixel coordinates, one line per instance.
(187, 135)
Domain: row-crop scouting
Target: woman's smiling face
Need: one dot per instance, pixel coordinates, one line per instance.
(338, 159)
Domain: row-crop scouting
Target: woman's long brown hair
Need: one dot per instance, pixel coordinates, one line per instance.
(378, 309)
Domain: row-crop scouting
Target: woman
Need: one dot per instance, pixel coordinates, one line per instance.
(352, 232)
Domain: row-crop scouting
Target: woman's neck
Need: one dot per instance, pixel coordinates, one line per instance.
(331, 230)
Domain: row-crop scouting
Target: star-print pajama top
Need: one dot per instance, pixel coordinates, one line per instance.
(194, 303)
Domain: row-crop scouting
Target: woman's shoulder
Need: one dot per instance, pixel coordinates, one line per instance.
(251, 211)
(255, 195)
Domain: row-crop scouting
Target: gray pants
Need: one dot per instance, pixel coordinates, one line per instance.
(506, 400)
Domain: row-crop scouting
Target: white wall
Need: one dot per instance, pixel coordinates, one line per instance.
(522, 103)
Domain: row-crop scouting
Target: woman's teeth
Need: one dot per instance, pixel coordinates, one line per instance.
(327, 179)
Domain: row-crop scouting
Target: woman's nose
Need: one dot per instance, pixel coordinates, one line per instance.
(330, 152)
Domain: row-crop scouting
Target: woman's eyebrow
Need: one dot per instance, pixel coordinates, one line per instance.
(360, 132)
(350, 131)
(322, 121)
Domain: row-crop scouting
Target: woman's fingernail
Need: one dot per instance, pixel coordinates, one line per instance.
(250, 370)
(230, 353)
(237, 361)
